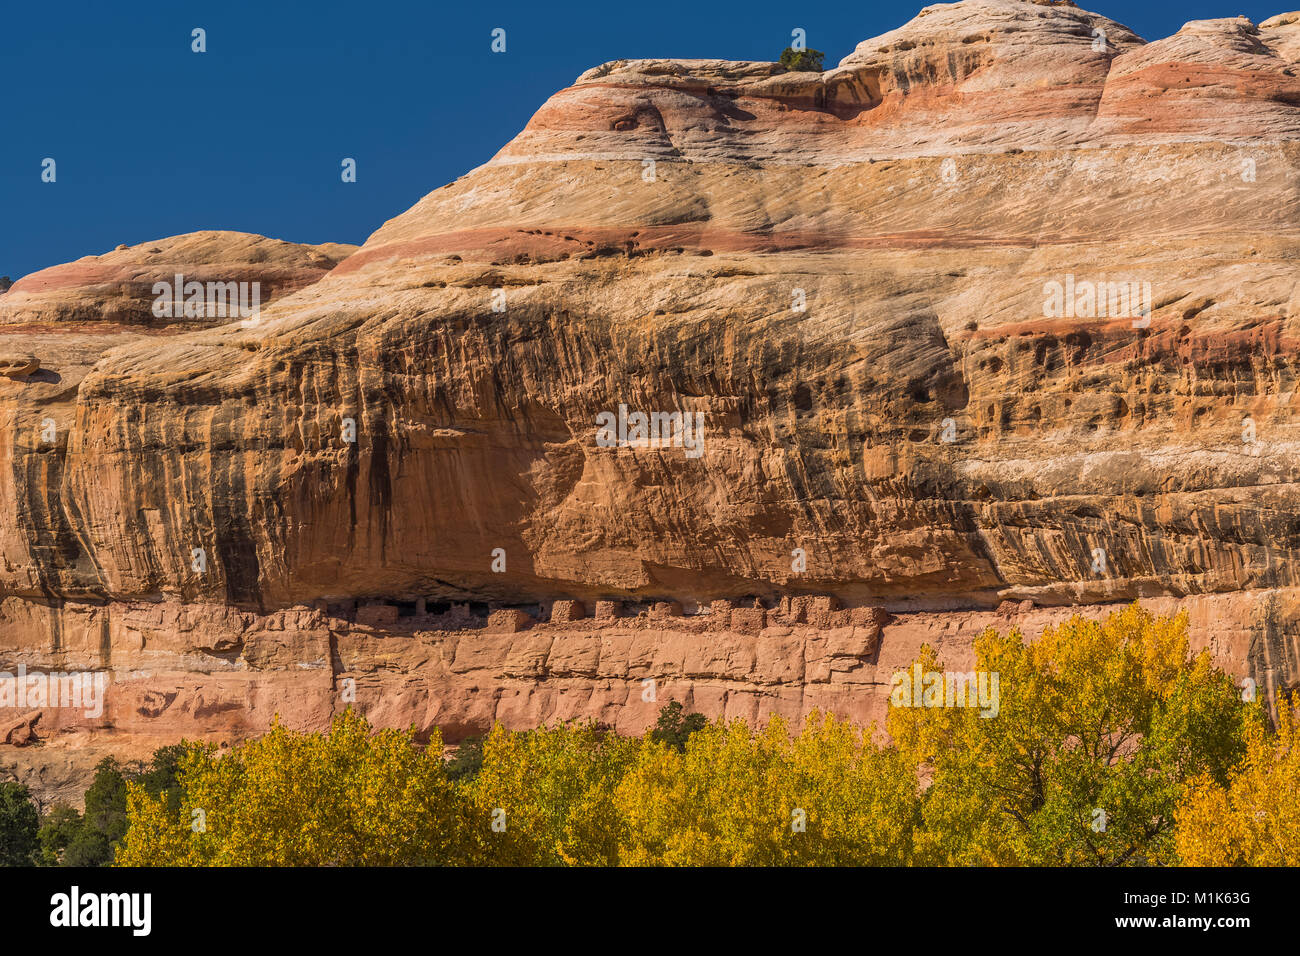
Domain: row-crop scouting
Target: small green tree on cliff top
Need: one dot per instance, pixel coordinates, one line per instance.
(802, 61)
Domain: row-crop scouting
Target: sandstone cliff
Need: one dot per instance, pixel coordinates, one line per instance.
(1001, 308)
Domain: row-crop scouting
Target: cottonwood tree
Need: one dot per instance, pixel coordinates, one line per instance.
(1100, 729)
(1253, 819)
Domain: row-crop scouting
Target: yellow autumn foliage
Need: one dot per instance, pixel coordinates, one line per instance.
(344, 798)
(1098, 728)
(1108, 743)
(1253, 820)
(545, 797)
(737, 797)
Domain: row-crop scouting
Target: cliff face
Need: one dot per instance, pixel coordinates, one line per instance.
(210, 672)
(55, 325)
(1003, 307)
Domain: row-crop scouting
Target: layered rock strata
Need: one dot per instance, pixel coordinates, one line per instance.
(207, 672)
(1001, 308)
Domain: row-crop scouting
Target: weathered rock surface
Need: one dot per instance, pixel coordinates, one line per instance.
(54, 326)
(205, 671)
(848, 275)
(117, 287)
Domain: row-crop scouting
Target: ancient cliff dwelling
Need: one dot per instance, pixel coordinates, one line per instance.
(990, 323)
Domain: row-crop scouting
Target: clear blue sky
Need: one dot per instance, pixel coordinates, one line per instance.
(152, 140)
